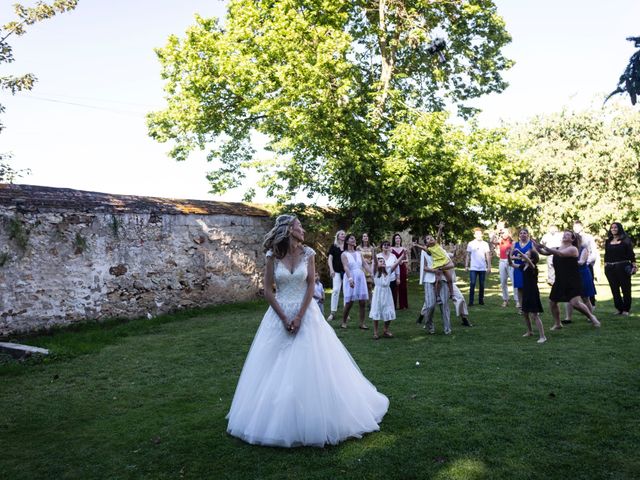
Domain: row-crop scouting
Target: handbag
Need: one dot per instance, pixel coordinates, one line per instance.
(628, 269)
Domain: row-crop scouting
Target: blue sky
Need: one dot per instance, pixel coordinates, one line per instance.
(83, 126)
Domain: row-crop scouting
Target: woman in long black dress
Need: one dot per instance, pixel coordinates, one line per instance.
(619, 265)
(568, 283)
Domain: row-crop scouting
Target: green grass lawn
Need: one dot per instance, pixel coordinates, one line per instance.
(147, 399)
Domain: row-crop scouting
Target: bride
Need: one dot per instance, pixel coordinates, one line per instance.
(299, 385)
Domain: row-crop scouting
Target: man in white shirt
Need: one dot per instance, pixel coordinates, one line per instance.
(477, 263)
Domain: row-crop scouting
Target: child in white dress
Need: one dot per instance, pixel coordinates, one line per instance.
(318, 293)
(382, 307)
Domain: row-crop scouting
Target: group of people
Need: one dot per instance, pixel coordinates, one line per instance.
(300, 386)
(365, 275)
(572, 256)
(350, 263)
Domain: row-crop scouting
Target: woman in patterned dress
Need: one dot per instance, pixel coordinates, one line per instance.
(354, 283)
(368, 252)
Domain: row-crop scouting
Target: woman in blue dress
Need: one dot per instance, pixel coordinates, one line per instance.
(523, 245)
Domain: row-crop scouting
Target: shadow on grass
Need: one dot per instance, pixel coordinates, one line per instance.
(66, 342)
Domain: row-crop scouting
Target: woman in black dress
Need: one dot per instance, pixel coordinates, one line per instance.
(568, 283)
(531, 304)
(619, 265)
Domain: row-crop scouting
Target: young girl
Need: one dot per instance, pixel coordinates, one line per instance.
(441, 260)
(382, 307)
(531, 304)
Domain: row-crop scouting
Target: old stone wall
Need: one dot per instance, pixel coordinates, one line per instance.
(91, 258)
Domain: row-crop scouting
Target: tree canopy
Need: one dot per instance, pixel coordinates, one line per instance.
(25, 16)
(584, 165)
(350, 96)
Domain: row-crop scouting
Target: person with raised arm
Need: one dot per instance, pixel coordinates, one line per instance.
(531, 304)
(567, 286)
(442, 263)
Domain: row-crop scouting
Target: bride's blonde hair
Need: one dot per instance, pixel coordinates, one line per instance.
(277, 239)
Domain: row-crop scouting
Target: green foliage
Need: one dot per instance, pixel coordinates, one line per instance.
(583, 165)
(437, 171)
(79, 243)
(116, 225)
(332, 86)
(25, 16)
(7, 173)
(18, 233)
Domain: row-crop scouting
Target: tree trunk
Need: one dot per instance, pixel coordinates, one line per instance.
(388, 54)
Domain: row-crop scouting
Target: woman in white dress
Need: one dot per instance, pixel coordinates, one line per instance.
(355, 283)
(299, 385)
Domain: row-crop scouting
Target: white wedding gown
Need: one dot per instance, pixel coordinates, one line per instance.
(302, 389)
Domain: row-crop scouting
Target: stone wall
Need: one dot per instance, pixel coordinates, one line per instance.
(68, 256)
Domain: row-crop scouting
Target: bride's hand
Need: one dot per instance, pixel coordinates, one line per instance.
(294, 326)
(286, 324)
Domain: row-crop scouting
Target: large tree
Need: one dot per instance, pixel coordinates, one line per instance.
(334, 86)
(25, 16)
(584, 165)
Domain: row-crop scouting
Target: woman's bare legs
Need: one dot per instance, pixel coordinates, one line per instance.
(536, 317)
(555, 313)
(363, 308)
(345, 313)
(576, 302)
(527, 324)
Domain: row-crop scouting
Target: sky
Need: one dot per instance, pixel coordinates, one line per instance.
(83, 126)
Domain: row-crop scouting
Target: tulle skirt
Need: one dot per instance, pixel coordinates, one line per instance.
(302, 389)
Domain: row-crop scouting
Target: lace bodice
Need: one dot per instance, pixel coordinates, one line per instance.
(291, 287)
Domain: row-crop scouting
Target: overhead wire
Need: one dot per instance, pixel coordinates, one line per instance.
(87, 105)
